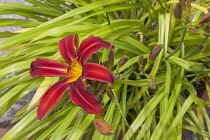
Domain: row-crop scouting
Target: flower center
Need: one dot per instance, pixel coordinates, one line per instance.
(74, 71)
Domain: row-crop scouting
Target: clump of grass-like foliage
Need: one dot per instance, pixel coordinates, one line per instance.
(155, 91)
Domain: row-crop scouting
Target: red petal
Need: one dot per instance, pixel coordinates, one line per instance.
(47, 67)
(51, 97)
(98, 72)
(90, 46)
(84, 99)
(67, 47)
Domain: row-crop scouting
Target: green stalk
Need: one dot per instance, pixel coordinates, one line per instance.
(179, 45)
(196, 48)
(161, 21)
(168, 85)
(108, 20)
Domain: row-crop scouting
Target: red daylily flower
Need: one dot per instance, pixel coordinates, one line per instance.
(77, 69)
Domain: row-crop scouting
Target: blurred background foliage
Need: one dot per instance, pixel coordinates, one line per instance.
(157, 92)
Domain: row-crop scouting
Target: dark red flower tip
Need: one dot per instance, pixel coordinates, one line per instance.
(48, 68)
(51, 97)
(79, 96)
(67, 47)
(90, 46)
(97, 72)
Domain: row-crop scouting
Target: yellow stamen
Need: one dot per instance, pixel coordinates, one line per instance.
(74, 71)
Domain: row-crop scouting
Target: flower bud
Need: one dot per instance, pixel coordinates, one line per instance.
(194, 31)
(95, 58)
(101, 86)
(99, 96)
(182, 2)
(102, 126)
(95, 84)
(122, 61)
(140, 60)
(178, 11)
(152, 84)
(110, 93)
(206, 34)
(204, 19)
(154, 53)
(206, 28)
(188, 6)
(105, 63)
(89, 88)
(111, 58)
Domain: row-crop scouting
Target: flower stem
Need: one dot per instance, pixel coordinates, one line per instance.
(107, 16)
(180, 43)
(196, 48)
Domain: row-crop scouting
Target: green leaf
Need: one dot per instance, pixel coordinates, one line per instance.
(82, 9)
(18, 128)
(65, 122)
(16, 67)
(28, 8)
(18, 22)
(47, 82)
(183, 109)
(18, 96)
(145, 112)
(79, 132)
(13, 92)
